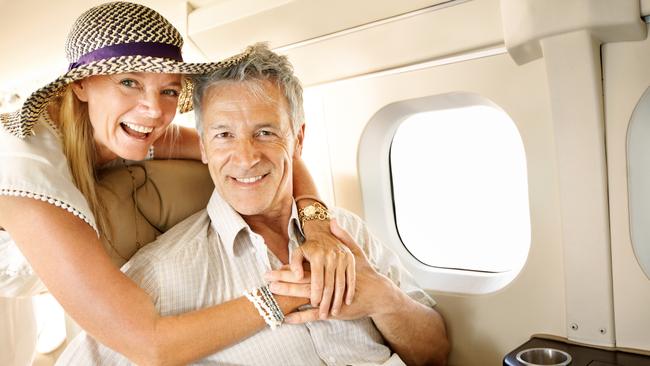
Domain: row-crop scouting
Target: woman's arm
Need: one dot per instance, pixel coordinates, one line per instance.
(332, 263)
(71, 261)
(178, 142)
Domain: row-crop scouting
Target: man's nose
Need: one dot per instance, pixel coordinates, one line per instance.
(246, 153)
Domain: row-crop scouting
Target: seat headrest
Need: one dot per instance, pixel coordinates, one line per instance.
(146, 199)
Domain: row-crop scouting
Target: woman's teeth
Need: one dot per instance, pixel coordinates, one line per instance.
(138, 128)
(249, 180)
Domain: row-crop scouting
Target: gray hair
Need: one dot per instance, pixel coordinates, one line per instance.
(261, 64)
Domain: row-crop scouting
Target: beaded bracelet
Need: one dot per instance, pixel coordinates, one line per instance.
(266, 305)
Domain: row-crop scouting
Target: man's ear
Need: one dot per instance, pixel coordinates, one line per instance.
(297, 152)
(204, 157)
(79, 90)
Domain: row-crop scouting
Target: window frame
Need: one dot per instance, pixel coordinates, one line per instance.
(375, 178)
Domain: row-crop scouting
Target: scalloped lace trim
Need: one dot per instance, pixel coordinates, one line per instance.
(48, 199)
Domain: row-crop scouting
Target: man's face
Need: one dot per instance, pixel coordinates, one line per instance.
(248, 145)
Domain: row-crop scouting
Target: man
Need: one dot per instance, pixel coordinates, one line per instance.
(250, 119)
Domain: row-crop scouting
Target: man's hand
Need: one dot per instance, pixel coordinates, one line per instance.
(373, 290)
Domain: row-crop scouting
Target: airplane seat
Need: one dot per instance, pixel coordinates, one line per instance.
(145, 199)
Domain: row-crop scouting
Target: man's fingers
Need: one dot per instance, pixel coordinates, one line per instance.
(328, 290)
(290, 289)
(351, 278)
(300, 317)
(286, 276)
(339, 289)
(295, 262)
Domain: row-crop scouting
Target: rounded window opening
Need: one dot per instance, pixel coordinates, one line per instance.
(460, 190)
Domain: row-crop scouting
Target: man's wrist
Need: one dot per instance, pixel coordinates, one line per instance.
(289, 304)
(392, 299)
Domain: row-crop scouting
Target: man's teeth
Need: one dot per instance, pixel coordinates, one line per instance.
(138, 128)
(249, 180)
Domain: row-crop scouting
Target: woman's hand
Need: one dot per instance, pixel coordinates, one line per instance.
(332, 268)
(372, 287)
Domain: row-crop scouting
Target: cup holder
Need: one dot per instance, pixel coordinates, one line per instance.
(543, 356)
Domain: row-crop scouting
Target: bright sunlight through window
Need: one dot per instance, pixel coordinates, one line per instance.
(460, 189)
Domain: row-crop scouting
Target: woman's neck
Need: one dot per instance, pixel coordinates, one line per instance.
(104, 155)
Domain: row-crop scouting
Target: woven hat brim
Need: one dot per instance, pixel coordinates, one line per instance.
(21, 122)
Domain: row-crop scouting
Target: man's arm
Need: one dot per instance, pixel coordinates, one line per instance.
(414, 331)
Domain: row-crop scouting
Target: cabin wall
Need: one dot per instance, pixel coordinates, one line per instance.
(626, 77)
(483, 328)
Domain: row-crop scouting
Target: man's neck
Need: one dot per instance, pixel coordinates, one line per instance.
(272, 227)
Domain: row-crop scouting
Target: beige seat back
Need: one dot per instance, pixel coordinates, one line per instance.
(147, 199)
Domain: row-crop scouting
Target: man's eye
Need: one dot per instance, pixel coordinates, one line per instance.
(129, 83)
(171, 92)
(222, 135)
(265, 133)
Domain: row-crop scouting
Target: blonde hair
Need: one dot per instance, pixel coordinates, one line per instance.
(79, 149)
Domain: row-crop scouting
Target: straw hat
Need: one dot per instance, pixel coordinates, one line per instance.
(110, 39)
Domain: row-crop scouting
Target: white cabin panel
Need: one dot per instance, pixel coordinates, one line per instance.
(626, 77)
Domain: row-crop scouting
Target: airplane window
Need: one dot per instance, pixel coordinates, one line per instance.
(638, 153)
(460, 189)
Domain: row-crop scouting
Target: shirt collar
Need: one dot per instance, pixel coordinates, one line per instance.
(228, 223)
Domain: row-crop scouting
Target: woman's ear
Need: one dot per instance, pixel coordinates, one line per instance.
(80, 91)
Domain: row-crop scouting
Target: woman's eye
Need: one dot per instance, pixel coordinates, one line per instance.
(171, 92)
(129, 83)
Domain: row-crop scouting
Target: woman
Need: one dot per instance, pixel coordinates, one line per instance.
(115, 102)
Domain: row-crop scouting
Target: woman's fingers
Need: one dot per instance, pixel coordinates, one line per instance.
(317, 269)
(339, 290)
(331, 263)
(295, 262)
(351, 276)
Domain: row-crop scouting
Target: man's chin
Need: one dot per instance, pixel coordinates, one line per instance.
(248, 211)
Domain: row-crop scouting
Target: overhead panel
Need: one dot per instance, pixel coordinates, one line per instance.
(223, 28)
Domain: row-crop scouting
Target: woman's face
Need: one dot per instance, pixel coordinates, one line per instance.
(128, 112)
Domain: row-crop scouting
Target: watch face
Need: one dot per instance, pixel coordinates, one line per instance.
(309, 210)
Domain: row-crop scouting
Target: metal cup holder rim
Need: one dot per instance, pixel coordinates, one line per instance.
(563, 353)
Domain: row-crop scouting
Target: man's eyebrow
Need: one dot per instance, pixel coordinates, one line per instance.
(266, 125)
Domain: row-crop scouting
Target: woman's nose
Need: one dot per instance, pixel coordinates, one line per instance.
(151, 104)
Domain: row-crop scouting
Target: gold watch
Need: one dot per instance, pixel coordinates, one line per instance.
(314, 211)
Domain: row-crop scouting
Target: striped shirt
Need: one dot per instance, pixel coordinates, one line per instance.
(213, 257)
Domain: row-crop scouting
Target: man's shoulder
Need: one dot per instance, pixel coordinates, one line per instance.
(181, 238)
